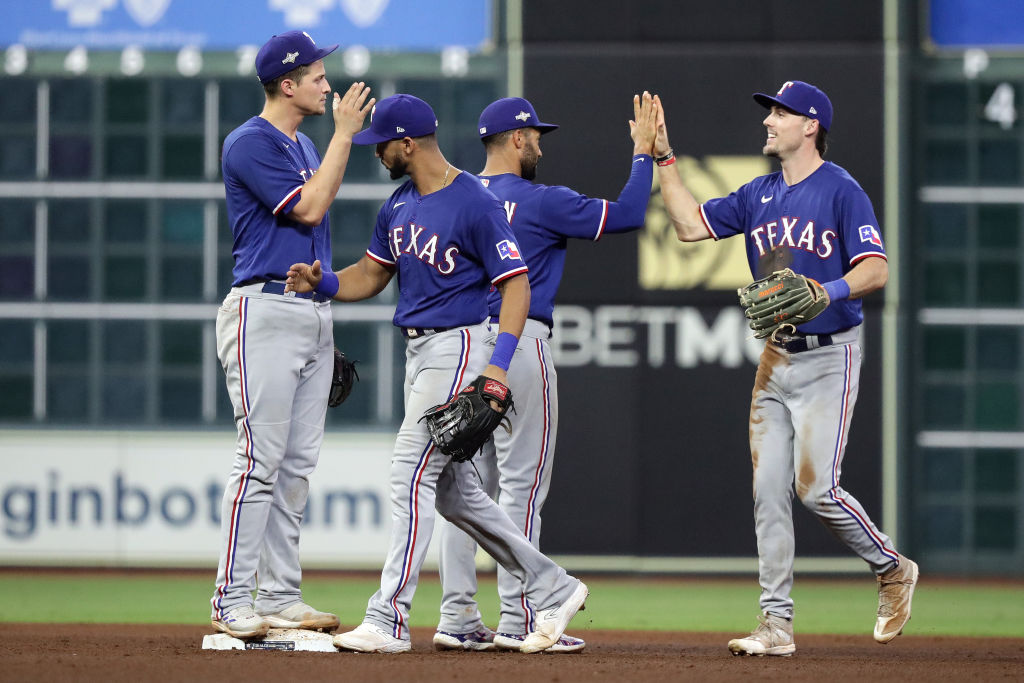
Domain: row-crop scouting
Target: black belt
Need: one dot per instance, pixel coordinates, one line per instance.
(799, 344)
(417, 332)
(494, 321)
(278, 288)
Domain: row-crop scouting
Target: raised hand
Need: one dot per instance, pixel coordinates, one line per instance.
(303, 277)
(661, 146)
(643, 127)
(350, 110)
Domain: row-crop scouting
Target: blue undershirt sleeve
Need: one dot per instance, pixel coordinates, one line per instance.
(629, 210)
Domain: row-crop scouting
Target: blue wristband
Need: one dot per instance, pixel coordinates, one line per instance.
(837, 289)
(328, 285)
(504, 347)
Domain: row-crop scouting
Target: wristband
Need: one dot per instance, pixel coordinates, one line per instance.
(328, 285)
(504, 347)
(837, 289)
(667, 160)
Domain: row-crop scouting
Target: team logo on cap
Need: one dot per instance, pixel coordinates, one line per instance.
(787, 84)
(483, 130)
(399, 129)
(310, 37)
(523, 115)
(290, 58)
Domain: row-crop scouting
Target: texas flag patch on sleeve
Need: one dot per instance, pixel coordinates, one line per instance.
(869, 234)
(507, 249)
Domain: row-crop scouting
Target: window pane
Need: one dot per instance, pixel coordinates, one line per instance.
(180, 400)
(69, 341)
(998, 349)
(239, 101)
(16, 342)
(945, 103)
(71, 100)
(16, 397)
(998, 405)
(18, 101)
(183, 156)
(126, 221)
(943, 470)
(184, 101)
(67, 397)
(998, 226)
(945, 283)
(998, 162)
(944, 406)
(125, 341)
(74, 283)
(17, 277)
(125, 278)
(18, 156)
(995, 471)
(945, 162)
(181, 278)
(995, 528)
(946, 225)
(70, 222)
(70, 156)
(998, 284)
(127, 101)
(942, 527)
(182, 223)
(18, 226)
(124, 398)
(181, 343)
(944, 348)
(126, 155)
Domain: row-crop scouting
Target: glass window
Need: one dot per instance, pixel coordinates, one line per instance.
(69, 341)
(180, 399)
(124, 397)
(945, 162)
(998, 405)
(183, 101)
(71, 100)
(946, 225)
(69, 222)
(68, 397)
(125, 278)
(945, 283)
(16, 398)
(18, 224)
(240, 100)
(18, 156)
(126, 155)
(70, 156)
(995, 471)
(16, 105)
(181, 343)
(182, 223)
(998, 348)
(181, 278)
(999, 226)
(126, 221)
(183, 156)
(944, 406)
(125, 341)
(17, 277)
(999, 162)
(941, 527)
(998, 283)
(16, 341)
(945, 104)
(127, 101)
(943, 470)
(75, 281)
(995, 527)
(944, 348)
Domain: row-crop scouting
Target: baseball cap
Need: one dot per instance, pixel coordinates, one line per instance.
(803, 98)
(510, 113)
(285, 51)
(397, 117)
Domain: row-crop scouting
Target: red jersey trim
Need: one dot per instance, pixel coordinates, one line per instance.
(507, 275)
(288, 197)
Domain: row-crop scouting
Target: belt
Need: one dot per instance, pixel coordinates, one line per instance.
(798, 343)
(417, 332)
(278, 288)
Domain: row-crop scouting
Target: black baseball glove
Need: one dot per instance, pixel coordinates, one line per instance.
(345, 377)
(783, 299)
(463, 425)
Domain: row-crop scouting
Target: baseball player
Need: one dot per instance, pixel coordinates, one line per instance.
(447, 239)
(814, 218)
(543, 219)
(277, 350)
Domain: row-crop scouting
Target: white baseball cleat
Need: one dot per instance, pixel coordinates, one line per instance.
(478, 641)
(241, 622)
(895, 591)
(371, 638)
(551, 623)
(773, 636)
(301, 615)
(514, 641)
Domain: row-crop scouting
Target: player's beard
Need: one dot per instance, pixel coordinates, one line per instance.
(397, 169)
(528, 164)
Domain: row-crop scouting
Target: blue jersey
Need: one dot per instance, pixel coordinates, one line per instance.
(825, 222)
(544, 217)
(264, 171)
(448, 248)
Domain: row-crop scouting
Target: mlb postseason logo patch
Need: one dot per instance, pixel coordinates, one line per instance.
(507, 249)
(869, 234)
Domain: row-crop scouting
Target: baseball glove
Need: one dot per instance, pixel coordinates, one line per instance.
(344, 379)
(463, 425)
(783, 299)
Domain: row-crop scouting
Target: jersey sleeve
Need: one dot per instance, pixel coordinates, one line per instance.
(859, 227)
(380, 243)
(726, 216)
(496, 245)
(262, 166)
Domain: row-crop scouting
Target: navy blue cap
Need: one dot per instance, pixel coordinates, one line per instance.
(510, 113)
(397, 117)
(284, 52)
(803, 98)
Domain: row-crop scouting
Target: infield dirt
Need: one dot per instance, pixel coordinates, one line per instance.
(112, 652)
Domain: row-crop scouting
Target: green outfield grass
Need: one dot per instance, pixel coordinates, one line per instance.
(841, 606)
